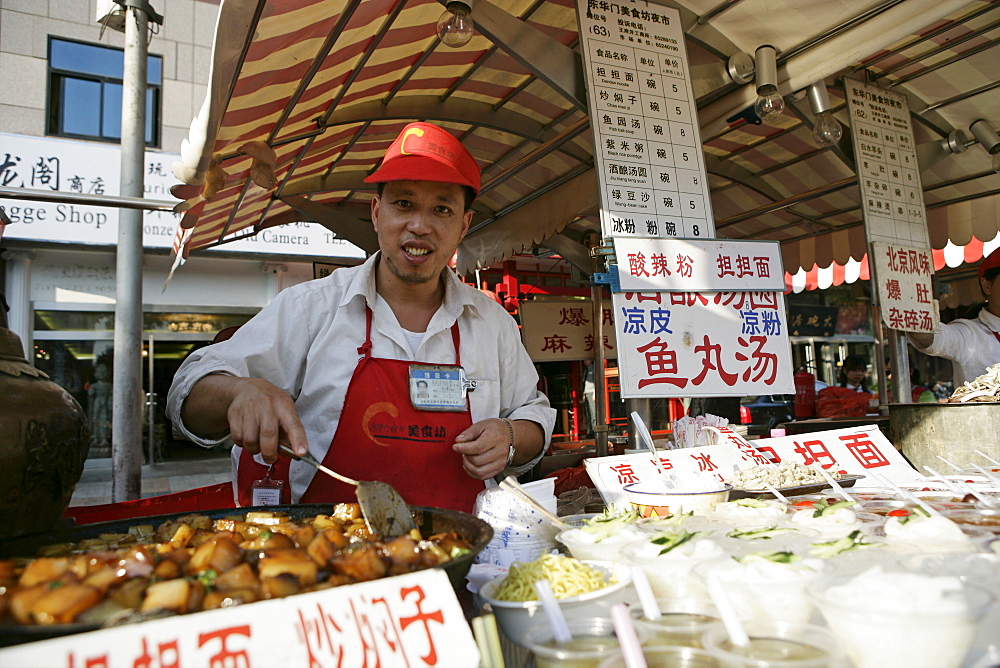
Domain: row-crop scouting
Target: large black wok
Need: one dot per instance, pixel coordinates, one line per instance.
(428, 520)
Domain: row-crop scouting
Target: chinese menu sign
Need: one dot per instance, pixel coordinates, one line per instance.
(854, 451)
(888, 175)
(408, 620)
(642, 109)
(563, 330)
(905, 290)
(702, 344)
(695, 264)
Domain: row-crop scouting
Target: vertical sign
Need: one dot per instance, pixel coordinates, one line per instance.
(905, 290)
(892, 201)
(560, 330)
(702, 344)
(642, 112)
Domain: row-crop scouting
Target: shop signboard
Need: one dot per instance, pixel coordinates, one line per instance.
(94, 168)
(411, 620)
(698, 264)
(563, 330)
(892, 200)
(853, 451)
(702, 344)
(905, 287)
(812, 320)
(648, 155)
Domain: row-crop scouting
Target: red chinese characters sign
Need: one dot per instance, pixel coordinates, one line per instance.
(564, 330)
(696, 344)
(411, 620)
(905, 291)
(698, 265)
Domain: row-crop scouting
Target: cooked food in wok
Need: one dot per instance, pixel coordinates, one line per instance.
(196, 563)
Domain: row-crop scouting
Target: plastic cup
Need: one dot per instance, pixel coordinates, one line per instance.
(776, 645)
(764, 591)
(678, 628)
(670, 575)
(593, 641)
(879, 632)
(668, 656)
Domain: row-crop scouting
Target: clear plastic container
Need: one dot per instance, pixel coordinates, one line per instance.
(776, 645)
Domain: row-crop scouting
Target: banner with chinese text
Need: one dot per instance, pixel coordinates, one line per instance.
(708, 265)
(554, 330)
(854, 451)
(407, 620)
(905, 288)
(694, 344)
(650, 165)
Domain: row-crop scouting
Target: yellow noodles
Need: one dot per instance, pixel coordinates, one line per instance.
(568, 577)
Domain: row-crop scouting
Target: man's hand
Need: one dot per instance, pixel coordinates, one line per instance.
(484, 448)
(259, 415)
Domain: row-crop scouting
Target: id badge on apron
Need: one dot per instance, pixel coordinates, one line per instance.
(267, 491)
(439, 387)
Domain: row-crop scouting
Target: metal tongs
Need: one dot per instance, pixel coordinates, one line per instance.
(383, 507)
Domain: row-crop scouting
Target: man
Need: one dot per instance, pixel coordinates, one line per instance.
(328, 366)
(971, 345)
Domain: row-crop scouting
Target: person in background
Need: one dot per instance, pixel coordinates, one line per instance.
(326, 367)
(971, 345)
(920, 393)
(853, 372)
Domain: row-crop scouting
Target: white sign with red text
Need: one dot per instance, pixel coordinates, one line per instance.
(705, 265)
(563, 330)
(694, 344)
(905, 288)
(854, 451)
(408, 620)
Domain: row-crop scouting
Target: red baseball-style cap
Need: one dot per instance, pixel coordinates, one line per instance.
(426, 152)
(991, 262)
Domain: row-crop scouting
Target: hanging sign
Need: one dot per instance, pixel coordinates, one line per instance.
(647, 145)
(854, 451)
(562, 330)
(701, 265)
(904, 287)
(408, 620)
(702, 344)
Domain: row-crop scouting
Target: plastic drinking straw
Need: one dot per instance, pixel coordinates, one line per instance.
(836, 485)
(904, 493)
(627, 638)
(949, 463)
(987, 457)
(484, 628)
(778, 495)
(989, 476)
(647, 599)
(553, 613)
(944, 481)
(961, 488)
(647, 438)
(727, 613)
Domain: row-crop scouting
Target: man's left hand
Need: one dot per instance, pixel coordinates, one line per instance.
(484, 448)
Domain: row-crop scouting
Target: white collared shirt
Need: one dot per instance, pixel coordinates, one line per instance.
(969, 344)
(306, 343)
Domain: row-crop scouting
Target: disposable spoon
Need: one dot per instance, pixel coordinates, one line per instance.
(905, 494)
(647, 599)
(836, 485)
(647, 438)
(944, 481)
(627, 638)
(727, 613)
(778, 495)
(949, 463)
(989, 475)
(960, 488)
(987, 457)
(553, 613)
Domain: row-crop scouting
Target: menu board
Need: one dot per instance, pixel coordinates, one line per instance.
(702, 344)
(560, 330)
(891, 196)
(647, 145)
(904, 286)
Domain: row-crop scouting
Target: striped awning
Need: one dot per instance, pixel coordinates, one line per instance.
(304, 96)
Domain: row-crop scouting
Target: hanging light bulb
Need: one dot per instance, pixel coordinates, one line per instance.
(826, 131)
(769, 103)
(455, 27)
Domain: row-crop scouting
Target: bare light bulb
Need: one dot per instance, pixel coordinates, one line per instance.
(455, 27)
(827, 130)
(769, 103)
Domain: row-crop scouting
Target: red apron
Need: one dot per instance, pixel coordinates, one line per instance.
(381, 436)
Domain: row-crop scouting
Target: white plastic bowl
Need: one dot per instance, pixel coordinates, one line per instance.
(583, 546)
(654, 502)
(517, 617)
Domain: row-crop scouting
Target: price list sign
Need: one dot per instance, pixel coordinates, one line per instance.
(646, 141)
(891, 196)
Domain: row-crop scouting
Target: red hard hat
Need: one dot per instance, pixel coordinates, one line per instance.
(426, 152)
(990, 262)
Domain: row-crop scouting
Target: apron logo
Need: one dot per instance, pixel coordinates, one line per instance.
(373, 410)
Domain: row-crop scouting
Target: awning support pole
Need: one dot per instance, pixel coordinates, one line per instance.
(126, 421)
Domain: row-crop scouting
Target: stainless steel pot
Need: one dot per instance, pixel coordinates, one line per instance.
(953, 431)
